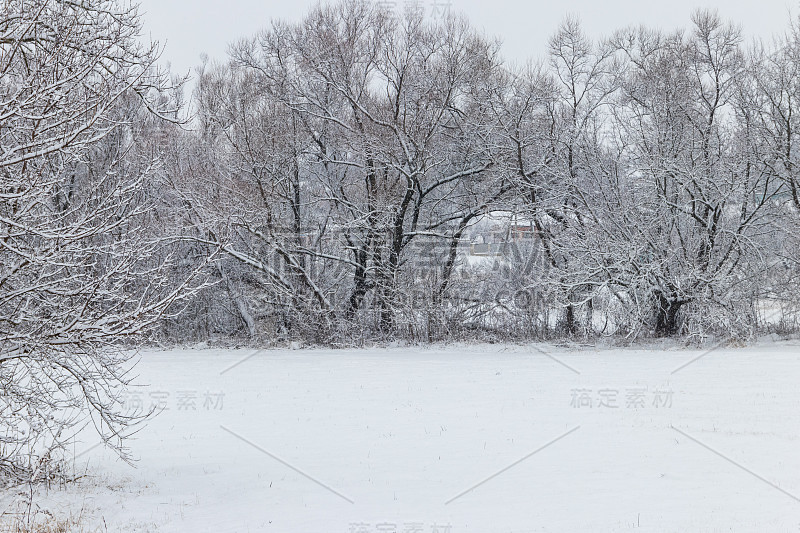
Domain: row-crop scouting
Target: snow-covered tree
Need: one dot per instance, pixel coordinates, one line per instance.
(77, 268)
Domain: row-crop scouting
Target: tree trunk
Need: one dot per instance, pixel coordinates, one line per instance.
(241, 305)
(570, 320)
(666, 314)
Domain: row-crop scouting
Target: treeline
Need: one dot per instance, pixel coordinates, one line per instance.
(332, 179)
(339, 163)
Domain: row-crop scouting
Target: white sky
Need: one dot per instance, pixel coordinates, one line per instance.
(189, 28)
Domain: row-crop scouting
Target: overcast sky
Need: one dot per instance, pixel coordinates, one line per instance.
(189, 28)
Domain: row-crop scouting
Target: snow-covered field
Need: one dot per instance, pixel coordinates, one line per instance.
(460, 439)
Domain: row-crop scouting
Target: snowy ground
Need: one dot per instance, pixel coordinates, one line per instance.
(460, 439)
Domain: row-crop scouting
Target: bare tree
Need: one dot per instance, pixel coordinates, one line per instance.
(76, 274)
(693, 204)
(347, 139)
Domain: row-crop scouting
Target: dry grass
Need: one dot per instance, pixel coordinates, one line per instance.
(26, 520)
(69, 525)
